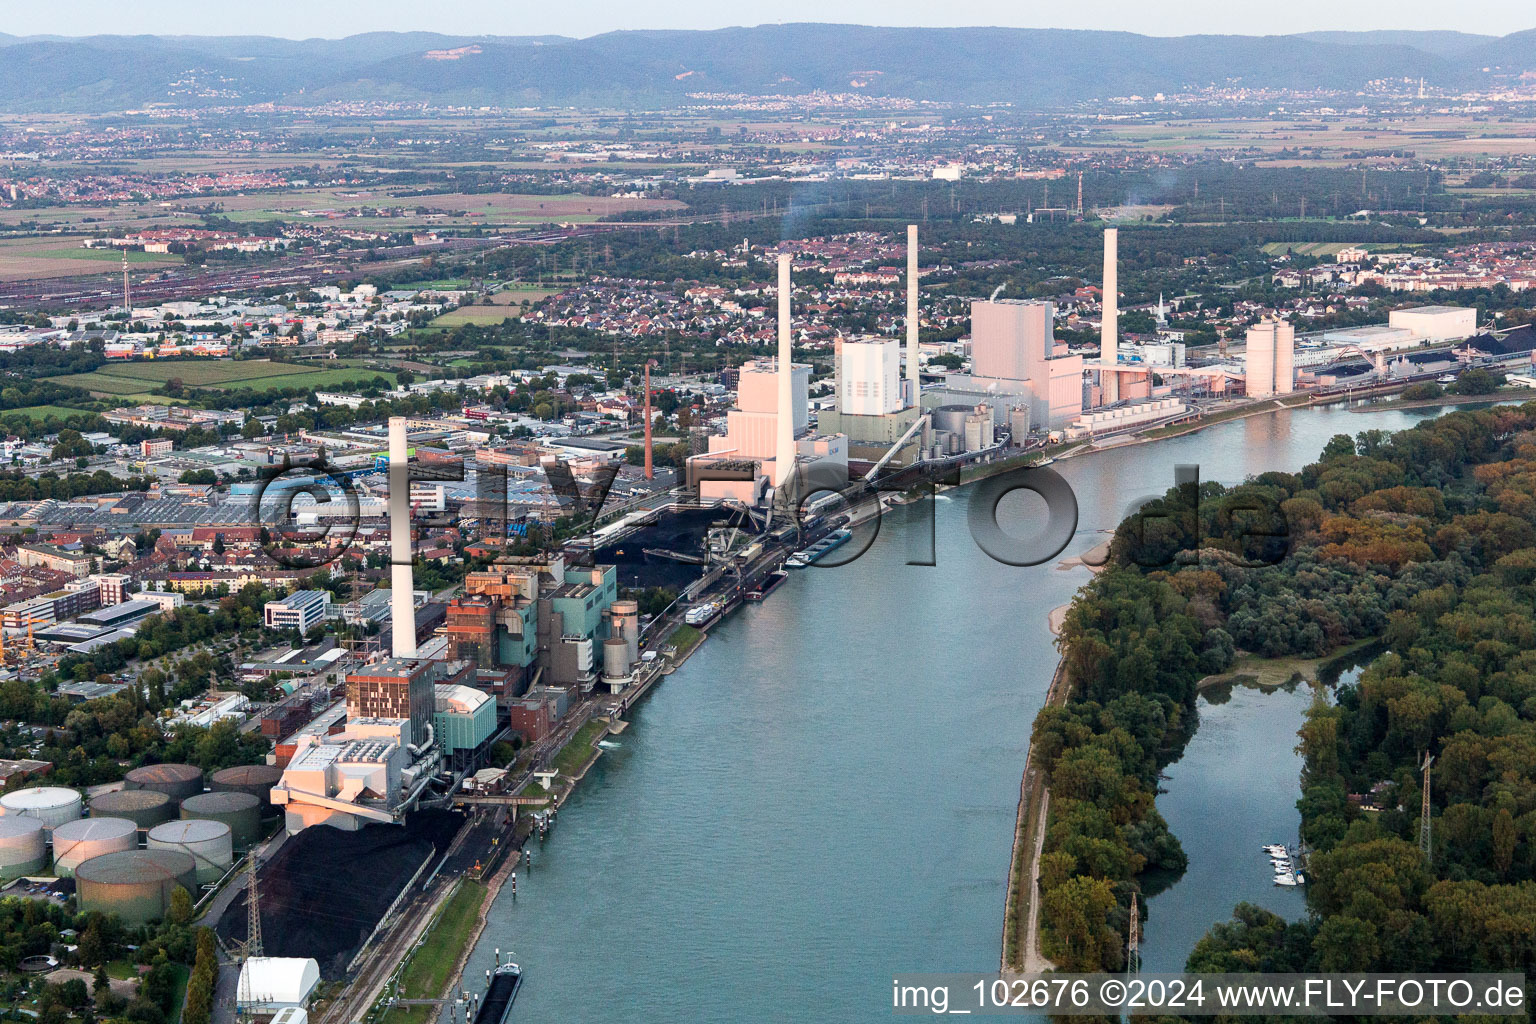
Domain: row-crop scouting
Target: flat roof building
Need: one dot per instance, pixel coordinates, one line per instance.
(302, 610)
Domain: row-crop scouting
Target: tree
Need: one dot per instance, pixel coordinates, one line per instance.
(180, 911)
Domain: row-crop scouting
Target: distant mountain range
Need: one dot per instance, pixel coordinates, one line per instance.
(1031, 68)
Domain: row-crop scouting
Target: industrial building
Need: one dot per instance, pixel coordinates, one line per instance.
(1435, 324)
(397, 688)
(536, 616)
(766, 436)
(302, 610)
(464, 721)
(271, 984)
(1016, 361)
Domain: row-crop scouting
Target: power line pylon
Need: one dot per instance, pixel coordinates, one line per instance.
(1424, 824)
(1133, 938)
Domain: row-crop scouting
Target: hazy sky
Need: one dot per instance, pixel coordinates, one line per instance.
(334, 18)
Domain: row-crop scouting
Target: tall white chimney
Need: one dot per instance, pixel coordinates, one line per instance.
(1109, 345)
(914, 384)
(402, 581)
(784, 445)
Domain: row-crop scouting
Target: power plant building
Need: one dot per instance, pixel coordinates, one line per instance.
(465, 719)
(1017, 361)
(395, 688)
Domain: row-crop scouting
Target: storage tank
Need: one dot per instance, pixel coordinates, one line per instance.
(146, 808)
(626, 624)
(23, 847)
(51, 805)
(177, 781)
(255, 779)
(136, 885)
(208, 843)
(240, 811)
(76, 842)
(615, 658)
(951, 418)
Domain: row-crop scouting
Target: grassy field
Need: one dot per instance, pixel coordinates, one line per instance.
(42, 412)
(685, 638)
(575, 753)
(484, 315)
(123, 380)
(1331, 248)
(107, 255)
(426, 975)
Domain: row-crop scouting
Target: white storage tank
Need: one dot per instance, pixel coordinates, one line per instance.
(23, 847)
(210, 844)
(76, 842)
(51, 805)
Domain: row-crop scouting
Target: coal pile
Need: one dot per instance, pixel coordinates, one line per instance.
(683, 532)
(326, 889)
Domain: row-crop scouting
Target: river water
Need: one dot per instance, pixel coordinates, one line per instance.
(824, 795)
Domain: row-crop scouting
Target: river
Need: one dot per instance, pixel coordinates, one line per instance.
(825, 793)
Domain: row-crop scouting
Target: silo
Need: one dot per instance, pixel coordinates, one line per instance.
(51, 805)
(255, 779)
(23, 849)
(626, 624)
(136, 885)
(951, 418)
(146, 808)
(615, 658)
(177, 781)
(208, 843)
(240, 811)
(76, 842)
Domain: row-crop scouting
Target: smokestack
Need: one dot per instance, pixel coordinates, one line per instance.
(784, 446)
(650, 473)
(914, 384)
(402, 582)
(1109, 344)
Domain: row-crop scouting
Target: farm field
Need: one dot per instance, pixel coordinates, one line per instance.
(482, 315)
(42, 412)
(1331, 248)
(123, 380)
(26, 258)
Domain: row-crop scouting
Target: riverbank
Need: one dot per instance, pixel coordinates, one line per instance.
(1502, 395)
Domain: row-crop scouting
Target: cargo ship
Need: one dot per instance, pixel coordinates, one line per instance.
(801, 559)
(765, 586)
(500, 990)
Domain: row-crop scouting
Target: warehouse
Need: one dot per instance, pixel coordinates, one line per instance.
(272, 983)
(1436, 323)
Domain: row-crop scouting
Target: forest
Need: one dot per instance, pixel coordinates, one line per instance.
(1422, 542)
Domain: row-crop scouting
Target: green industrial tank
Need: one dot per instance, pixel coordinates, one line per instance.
(146, 808)
(240, 811)
(22, 847)
(177, 781)
(255, 779)
(136, 885)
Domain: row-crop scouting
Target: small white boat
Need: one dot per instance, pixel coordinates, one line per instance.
(1286, 879)
(1300, 878)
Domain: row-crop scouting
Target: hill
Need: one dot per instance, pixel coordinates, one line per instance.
(1030, 68)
